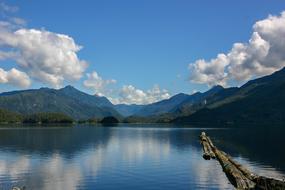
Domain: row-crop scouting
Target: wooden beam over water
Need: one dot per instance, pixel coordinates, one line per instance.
(238, 175)
(208, 152)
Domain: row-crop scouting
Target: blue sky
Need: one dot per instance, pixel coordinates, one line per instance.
(143, 42)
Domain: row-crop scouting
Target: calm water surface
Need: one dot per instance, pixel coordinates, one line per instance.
(131, 157)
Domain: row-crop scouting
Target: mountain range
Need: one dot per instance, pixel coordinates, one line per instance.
(67, 100)
(258, 101)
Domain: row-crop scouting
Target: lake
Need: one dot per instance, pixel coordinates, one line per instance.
(131, 157)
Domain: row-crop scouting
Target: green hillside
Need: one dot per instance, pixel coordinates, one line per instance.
(10, 117)
(260, 101)
(77, 104)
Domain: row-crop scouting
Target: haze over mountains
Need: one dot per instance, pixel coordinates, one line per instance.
(259, 100)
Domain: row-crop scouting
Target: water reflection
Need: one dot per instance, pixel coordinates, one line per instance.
(262, 145)
(121, 158)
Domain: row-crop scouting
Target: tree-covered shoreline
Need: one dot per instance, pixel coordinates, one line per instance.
(9, 117)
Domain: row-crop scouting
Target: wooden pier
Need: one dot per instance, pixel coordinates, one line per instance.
(239, 176)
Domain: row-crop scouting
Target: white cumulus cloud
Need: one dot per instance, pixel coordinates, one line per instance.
(212, 72)
(263, 54)
(127, 94)
(97, 83)
(45, 56)
(14, 77)
(132, 95)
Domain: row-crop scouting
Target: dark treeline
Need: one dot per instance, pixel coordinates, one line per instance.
(49, 118)
(45, 118)
(105, 120)
(109, 119)
(10, 117)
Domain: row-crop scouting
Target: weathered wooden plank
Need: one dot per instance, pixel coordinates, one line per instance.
(244, 170)
(208, 152)
(237, 174)
(265, 183)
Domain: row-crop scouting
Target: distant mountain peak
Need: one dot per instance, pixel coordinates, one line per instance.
(214, 89)
(68, 87)
(180, 95)
(217, 87)
(67, 100)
